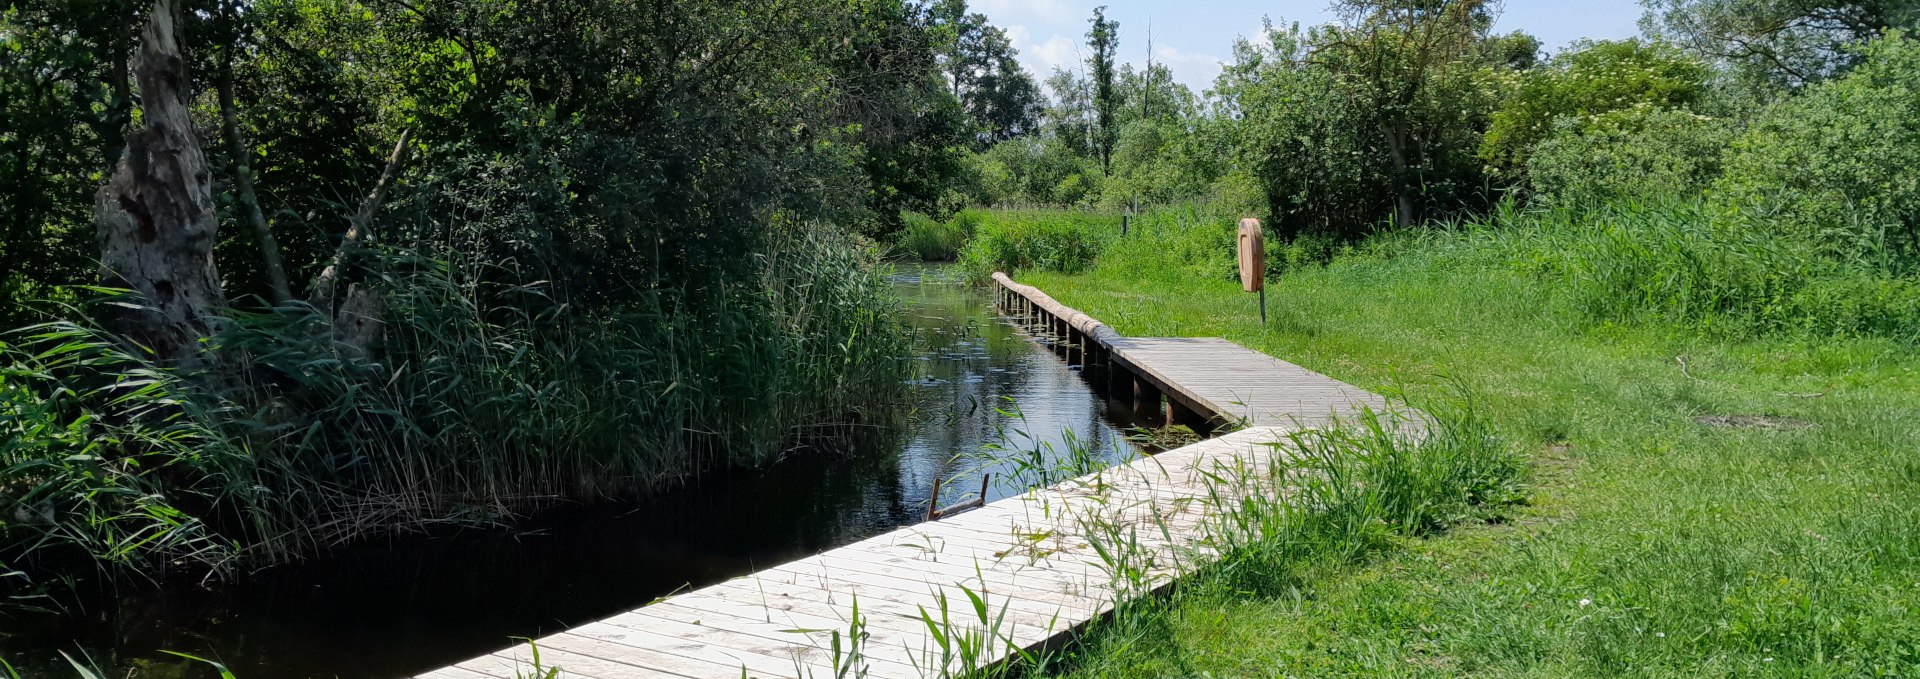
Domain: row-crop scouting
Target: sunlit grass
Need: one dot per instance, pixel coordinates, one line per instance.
(1653, 544)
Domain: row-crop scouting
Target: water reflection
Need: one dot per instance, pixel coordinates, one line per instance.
(392, 610)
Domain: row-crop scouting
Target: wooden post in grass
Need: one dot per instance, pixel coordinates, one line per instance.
(1253, 262)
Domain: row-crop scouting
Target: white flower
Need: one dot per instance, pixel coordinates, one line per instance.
(1585, 603)
(1662, 635)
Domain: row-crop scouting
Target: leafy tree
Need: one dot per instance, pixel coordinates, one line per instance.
(1036, 170)
(65, 98)
(1836, 165)
(1152, 93)
(1072, 118)
(1005, 102)
(1103, 41)
(984, 74)
(1307, 145)
(1590, 79)
(1777, 43)
(1409, 66)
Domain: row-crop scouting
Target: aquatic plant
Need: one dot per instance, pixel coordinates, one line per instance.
(487, 402)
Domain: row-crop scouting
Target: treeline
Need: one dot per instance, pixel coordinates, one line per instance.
(384, 264)
(1743, 159)
(1409, 112)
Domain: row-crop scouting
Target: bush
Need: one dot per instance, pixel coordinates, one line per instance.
(1636, 153)
(1156, 162)
(1837, 165)
(1593, 79)
(1032, 171)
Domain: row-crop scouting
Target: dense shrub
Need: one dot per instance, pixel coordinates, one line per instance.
(1590, 80)
(1350, 126)
(1838, 165)
(1634, 153)
(1034, 171)
(1157, 162)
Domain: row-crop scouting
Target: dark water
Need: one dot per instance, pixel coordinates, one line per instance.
(393, 610)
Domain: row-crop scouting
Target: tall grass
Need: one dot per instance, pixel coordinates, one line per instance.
(930, 240)
(1052, 240)
(1316, 498)
(485, 401)
(1678, 262)
(1673, 263)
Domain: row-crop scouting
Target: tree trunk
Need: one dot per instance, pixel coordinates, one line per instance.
(362, 224)
(1402, 188)
(358, 315)
(155, 219)
(243, 183)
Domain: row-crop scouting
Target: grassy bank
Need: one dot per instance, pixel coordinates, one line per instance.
(1722, 484)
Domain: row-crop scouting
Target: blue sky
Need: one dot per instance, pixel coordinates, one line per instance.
(1193, 37)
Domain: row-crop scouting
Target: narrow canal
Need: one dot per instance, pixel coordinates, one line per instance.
(390, 611)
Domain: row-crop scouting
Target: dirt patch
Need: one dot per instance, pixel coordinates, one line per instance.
(1764, 422)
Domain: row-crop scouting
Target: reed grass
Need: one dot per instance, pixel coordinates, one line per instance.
(487, 401)
(927, 239)
(1022, 240)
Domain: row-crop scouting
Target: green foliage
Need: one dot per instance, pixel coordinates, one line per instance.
(1103, 41)
(1373, 120)
(1033, 171)
(91, 438)
(1592, 79)
(1637, 153)
(1772, 46)
(1013, 241)
(1298, 138)
(1836, 166)
(612, 262)
(487, 398)
(1678, 263)
(63, 111)
(1187, 239)
(930, 240)
(981, 66)
(1157, 162)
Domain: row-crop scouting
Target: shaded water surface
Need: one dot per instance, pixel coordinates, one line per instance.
(393, 610)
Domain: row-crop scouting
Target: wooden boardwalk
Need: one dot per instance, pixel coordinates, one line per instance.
(1041, 565)
(1202, 378)
(1226, 380)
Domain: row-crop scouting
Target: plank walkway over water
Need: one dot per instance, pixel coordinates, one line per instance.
(1240, 384)
(1216, 377)
(1035, 560)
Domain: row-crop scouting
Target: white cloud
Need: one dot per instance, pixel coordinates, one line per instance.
(1193, 69)
(1041, 57)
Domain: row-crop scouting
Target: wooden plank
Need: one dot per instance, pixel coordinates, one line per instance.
(1029, 553)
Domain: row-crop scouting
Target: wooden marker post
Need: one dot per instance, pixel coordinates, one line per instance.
(1253, 262)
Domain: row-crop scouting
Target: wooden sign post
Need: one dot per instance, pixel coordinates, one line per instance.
(1253, 262)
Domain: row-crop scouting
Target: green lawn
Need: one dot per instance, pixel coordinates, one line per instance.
(1652, 545)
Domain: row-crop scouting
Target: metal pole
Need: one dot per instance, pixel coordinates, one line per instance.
(1263, 305)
